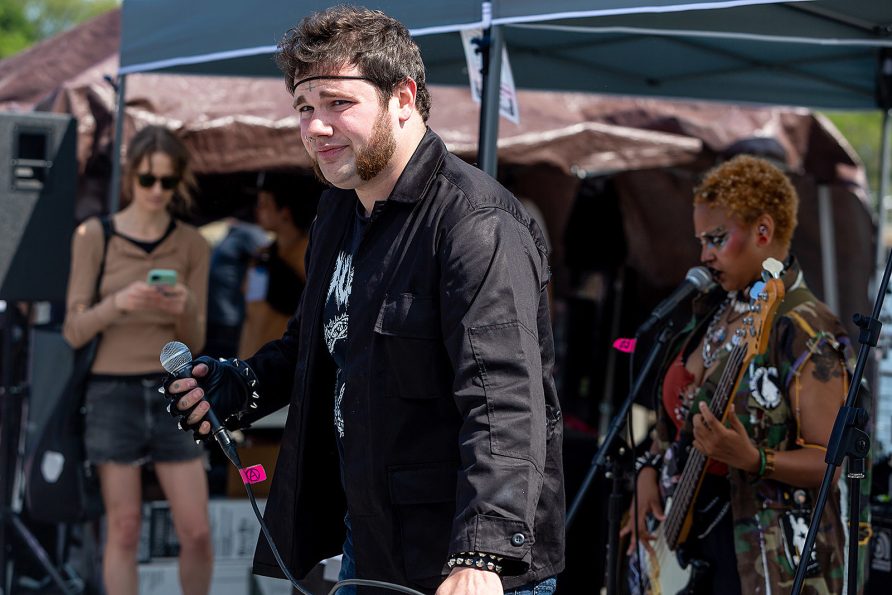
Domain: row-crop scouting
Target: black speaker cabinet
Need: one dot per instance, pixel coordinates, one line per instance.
(38, 182)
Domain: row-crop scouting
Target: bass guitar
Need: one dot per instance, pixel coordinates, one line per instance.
(665, 572)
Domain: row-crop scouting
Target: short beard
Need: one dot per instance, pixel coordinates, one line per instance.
(372, 160)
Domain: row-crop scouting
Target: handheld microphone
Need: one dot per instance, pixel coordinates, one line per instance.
(697, 280)
(176, 359)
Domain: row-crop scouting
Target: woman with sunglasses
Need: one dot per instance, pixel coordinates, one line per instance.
(765, 463)
(136, 311)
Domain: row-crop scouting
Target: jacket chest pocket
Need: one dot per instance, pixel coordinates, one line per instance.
(415, 364)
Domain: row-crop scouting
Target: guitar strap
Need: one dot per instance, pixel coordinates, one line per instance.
(791, 301)
(108, 230)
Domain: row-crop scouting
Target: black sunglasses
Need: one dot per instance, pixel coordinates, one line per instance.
(148, 180)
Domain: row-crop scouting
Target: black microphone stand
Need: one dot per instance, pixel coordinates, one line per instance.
(848, 439)
(615, 507)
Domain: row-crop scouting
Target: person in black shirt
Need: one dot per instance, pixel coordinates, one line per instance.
(419, 366)
(276, 278)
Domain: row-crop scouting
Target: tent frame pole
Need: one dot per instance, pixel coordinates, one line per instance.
(883, 190)
(114, 191)
(491, 71)
(828, 248)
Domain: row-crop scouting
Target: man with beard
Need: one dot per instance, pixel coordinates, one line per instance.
(424, 436)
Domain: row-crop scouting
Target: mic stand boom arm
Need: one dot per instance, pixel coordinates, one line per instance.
(848, 439)
(608, 446)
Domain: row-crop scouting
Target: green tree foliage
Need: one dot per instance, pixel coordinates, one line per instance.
(16, 31)
(863, 131)
(24, 22)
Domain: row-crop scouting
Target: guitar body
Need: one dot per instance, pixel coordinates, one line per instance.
(665, 571)
(665, 575)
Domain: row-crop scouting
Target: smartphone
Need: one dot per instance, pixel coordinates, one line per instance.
(162, 277)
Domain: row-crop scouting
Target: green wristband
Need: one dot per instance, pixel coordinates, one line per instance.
(762, 462)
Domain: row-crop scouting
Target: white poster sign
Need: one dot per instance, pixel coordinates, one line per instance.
(508, 106)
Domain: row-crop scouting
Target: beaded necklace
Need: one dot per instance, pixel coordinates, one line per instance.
(716, 339)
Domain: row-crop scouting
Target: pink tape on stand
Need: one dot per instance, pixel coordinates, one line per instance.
(624, 345)
(253, 474)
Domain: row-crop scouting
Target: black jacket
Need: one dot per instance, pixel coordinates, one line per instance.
(453, 430)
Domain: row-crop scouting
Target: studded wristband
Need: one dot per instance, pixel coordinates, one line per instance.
(252, 387)
(478, 560)
(648, 459)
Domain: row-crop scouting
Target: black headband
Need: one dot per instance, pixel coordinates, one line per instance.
(332, 76)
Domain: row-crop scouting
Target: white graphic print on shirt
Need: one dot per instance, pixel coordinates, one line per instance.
(342, 279)
(335, 329)
(338, 418)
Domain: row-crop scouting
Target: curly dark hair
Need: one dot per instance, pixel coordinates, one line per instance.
(158, 139)
(378, 45)
(749, 187)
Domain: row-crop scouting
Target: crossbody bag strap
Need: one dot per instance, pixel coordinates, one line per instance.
(107, 231)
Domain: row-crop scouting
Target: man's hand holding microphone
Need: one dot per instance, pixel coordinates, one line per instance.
(203, 391)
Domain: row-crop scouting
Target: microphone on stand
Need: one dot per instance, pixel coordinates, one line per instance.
(176, 359)
(697, 280)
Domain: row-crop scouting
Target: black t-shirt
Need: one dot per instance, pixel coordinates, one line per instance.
(335, 322)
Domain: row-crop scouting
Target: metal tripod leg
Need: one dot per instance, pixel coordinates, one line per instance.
(40, 555)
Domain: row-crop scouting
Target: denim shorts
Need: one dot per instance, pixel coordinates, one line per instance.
(127, 422)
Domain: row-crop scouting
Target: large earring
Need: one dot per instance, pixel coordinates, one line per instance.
(763, 235)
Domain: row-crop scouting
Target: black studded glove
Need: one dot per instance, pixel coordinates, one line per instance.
(230, 386)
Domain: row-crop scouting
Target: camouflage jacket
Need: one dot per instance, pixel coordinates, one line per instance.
(766, 401)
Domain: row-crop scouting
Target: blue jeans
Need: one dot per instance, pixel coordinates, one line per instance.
(348, 570)
(348, 562)
(545, 587)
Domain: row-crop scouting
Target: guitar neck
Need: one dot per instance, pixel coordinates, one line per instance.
(677, 519)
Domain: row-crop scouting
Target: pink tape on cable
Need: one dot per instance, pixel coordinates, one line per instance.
(253, 474)
(624, 345)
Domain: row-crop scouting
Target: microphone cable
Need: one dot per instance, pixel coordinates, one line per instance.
(638, 548)
(175, 357)
(281, 563)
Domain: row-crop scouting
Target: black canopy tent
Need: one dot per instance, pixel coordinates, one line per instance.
(822, 53)
(211, 38)
(830, 54)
